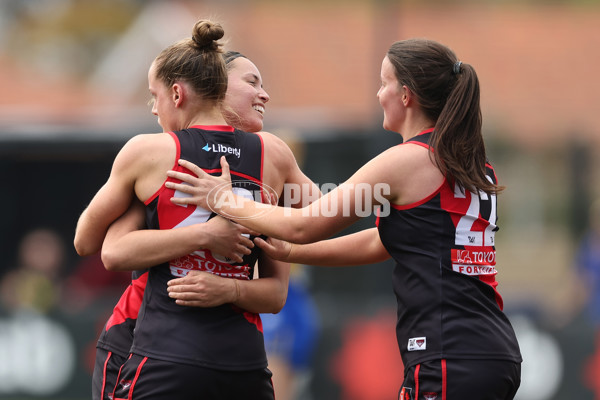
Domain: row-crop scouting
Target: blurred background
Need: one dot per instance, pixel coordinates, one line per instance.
(73, 89)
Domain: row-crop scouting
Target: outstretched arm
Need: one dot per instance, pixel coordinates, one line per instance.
(337, 252)
(319, 220)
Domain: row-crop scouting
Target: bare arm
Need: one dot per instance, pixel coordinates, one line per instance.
(341, 251)
(264, 295)
(93, 223)
(128, 246)
(319, 220)
(400, 175)
(298, 190)
(115, 196)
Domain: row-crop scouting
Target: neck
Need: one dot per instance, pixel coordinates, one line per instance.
(210, 117)
(414, 126)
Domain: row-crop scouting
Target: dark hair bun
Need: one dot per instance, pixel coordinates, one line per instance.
(206, 33)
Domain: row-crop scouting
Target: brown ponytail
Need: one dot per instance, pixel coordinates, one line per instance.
(448, 92)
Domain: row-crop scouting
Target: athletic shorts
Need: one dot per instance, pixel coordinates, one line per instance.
(144, 378)
(106, 370)
(461, 379)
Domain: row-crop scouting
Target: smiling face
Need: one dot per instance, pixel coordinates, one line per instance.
(245, 99)
(390, 97)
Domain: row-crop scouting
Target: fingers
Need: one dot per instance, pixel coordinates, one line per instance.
(186, 298)
(271, 198)
(189, 278)
(247, 231)
(180, 291)
(189, 303)
(236, 256)
(185, 187)
(262, 244)
(225, 168)
(182, 176)
(197, 170)
(246, 243)
(192, 167)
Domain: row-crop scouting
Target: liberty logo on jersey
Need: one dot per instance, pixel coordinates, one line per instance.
(221, 148)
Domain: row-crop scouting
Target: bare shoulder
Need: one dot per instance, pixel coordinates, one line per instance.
(409, 170)
(144, 150)
(148, 143)
(410, 148)
(277, 152)
(418, 174)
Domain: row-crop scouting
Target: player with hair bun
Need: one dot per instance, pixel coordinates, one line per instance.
(190, 101)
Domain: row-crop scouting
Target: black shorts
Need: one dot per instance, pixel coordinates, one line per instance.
(145, 378)
(461, 379)
(106, 370)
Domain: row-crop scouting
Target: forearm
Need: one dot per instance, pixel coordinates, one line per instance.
(306, 225)
(264, 295)
(111, 201)
(146, 248)
(360, 248)
(89, 234)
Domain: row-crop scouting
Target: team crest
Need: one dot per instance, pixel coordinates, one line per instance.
(430, 396)
(417, 343)
(125, 384)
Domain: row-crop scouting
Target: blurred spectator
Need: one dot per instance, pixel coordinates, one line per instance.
(588, 263)
(90, 280)
(35, 284)
(42, 280)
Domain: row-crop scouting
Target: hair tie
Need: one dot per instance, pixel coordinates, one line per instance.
(456, 68)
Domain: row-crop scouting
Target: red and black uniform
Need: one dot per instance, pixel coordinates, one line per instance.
(216, 344)
(449, 311)
(114, 343)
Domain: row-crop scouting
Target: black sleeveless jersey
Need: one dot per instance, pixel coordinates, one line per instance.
(444, 279)
(224, 337)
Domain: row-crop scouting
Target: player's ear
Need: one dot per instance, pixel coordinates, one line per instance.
(407, 96)
(177, 94)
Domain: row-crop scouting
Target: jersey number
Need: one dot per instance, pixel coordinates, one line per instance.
(474, 229)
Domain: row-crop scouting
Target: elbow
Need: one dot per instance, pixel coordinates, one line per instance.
(282, 299)
(110, 260)
(279, 306)
(275, 303)
(303, 235)
(82, 248)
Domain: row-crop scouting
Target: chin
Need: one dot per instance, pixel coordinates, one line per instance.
(389, 127)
